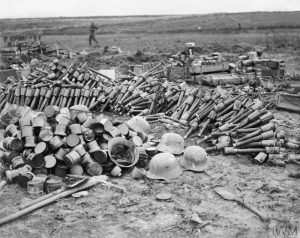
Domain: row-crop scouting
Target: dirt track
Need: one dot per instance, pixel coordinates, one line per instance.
(108, 213)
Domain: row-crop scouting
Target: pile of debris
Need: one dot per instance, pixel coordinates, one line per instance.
(69, 141)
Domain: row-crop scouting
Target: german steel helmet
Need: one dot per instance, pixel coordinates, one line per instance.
(122, 152)
(171, 142)
(139, 124)
(164, 166)
(194, 158)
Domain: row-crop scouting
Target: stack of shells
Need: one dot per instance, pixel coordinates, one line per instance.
(53, 144)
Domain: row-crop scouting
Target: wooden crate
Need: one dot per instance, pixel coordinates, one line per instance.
(176, 73)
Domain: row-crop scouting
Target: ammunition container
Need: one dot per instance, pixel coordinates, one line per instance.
(26, 131)
(38, 122)
(72, 158)
(260, 158)
(55, 143)
(17, 162)
(60, 130)
(29, 142)
(50, 161)
(41, 148)
(73, 140)
(46, 134)
(12, 175)
(93, 146)
(35, 160)
(25, 121)
(80, 150)
(12, 130)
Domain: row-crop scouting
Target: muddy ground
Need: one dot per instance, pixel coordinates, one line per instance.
(193, 211)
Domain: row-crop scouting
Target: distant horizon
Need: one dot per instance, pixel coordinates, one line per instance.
(22, 9)
(144, 15)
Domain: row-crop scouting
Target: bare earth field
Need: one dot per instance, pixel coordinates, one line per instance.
(106, 212)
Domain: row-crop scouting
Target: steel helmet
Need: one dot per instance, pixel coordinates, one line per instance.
(171, 142)
(139, 124)
(122, 152)
(194, 158)
(164, 166)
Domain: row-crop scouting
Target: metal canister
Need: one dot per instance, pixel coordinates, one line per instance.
(29, 142)
(12, 130)
(38, 122)
(72, 158)
(17, 162)
(41, 148)
(9, 156)
(116, 171)
(61, 170)
(63, 120)
(35, 160)
(50, 161)
(25, 121)
(88, 122)
(12, 175)
(73, 140)
(59, 155)
(104, 146)
(82, 141)
(35, 188)
(86, 159)
(80, 150)
(151, 151)
(6, 142)
(16, 145)
(53, 185)
(76, 169)
(26, 152)
(60, 130)
(24, 178)
(46, 134)
(75, 129)
(26, 131)
(99, 156)
(82, 117)
(55, 143)
(51, 111)
(93, 146)
(106, 138)
(65, 111)
(260, 158)
(40, 171)
(89, 135)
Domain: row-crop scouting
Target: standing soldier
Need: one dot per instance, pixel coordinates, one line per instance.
(92, 37)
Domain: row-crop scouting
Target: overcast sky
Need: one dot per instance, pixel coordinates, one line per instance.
(56, 8)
